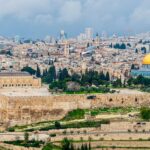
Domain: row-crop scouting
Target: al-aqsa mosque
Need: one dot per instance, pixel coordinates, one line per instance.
(145, 69)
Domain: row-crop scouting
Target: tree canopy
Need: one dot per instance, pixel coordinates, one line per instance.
(29, 70)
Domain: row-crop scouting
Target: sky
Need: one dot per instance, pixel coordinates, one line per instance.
(39, 18)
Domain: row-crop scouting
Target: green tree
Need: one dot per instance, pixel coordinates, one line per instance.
(89, 146)
(130, 81)
(122, 46)
(117, 46)
(72, 147)
(48, 146)
(117, 83)
(107, 76)
(82, 147)
(29, 70)
(57, 125)
(85, 147)
(45, 73)
(128, 44)
(102, 76)
(38, 72)
(136, 50)
(145, 113)
(75, 77)
(132, 66)
(63, 74)
(58, 85)
(143, 49)
(140, 80)
(26, 137)
(66, 144)
(50, 76)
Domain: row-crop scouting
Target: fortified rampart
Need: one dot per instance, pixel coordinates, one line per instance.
(29, 109)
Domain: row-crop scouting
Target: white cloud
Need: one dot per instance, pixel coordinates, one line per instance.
(109, 15)
(24, 9)
(70, 12)
(141, 13)
(44, 19)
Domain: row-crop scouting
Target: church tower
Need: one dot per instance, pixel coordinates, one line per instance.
(66, 49)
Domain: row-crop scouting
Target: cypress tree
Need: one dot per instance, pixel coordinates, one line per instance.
(107, 76)
(38, 72)
(89, 146)
(102, 76)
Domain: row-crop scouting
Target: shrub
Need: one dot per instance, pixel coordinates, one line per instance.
(140, 139)
(52, 135)
(64, 132)
(75, 114)
(11, 129)
(57, 125)
(145, 113)
(48, 146)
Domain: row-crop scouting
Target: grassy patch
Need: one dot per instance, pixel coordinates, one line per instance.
(113, 110)
(50, 146)
(84, 124)
(31, 127)
(75, 114)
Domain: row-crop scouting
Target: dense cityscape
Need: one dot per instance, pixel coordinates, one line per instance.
(74, 75)
(97, 80)
(90, 51)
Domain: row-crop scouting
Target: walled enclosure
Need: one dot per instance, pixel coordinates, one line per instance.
(29, 109)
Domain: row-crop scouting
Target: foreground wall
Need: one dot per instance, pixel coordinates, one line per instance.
(24, 110)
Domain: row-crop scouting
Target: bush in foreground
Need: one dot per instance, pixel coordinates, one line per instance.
(145, 113)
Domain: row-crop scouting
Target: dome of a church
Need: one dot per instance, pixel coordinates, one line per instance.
(146, 60)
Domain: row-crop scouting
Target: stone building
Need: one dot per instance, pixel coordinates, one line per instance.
(18, 79)
(144, 70)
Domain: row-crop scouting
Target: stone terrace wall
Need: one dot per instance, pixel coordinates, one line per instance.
(24, 110)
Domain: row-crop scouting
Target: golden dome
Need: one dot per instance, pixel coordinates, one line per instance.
(146, 60)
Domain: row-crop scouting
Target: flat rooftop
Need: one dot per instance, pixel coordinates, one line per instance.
(3, 74)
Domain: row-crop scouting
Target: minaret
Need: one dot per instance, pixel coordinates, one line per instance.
(97, 40)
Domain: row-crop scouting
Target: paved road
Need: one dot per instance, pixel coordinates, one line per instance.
(44, 135)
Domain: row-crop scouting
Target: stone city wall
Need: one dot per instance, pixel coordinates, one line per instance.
(29, 109)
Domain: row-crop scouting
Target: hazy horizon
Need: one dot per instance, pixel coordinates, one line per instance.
(36, 18)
